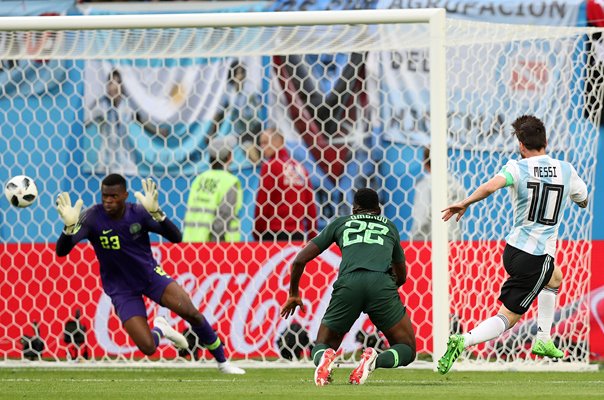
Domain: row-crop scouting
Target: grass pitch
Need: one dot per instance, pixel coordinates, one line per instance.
(291, 384)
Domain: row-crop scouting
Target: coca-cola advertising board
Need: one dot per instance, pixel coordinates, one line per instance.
(239, 288)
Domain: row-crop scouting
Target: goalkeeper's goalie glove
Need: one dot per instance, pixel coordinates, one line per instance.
(70, 215)
(149, 199)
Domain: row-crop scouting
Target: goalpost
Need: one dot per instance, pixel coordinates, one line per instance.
(357, 95)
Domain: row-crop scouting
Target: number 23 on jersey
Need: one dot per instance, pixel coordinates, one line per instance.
(110, 242)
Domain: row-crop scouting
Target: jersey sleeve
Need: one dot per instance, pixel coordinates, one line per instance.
(327, 236)
(82, 228)
(510, 172)
(166, 228)
(67, 242)
(578, 188)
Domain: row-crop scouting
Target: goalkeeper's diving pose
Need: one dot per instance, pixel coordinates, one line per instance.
(119, 232)
(540, 187)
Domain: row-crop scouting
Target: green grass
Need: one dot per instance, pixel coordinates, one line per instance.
(291, 384)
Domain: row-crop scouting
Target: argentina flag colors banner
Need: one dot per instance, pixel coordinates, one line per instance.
(167, 109)
(164, 114)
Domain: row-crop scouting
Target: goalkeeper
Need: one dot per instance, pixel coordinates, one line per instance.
(119, 233)
(371, 271)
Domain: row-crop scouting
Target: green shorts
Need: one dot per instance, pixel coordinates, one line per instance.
(373, 293)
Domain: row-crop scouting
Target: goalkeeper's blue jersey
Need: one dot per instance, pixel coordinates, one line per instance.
(540, 187)
(122, 246)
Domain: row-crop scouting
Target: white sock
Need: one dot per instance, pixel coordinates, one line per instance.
(545, 313)
(488, 329)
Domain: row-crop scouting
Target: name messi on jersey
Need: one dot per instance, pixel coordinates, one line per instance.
(545, 172)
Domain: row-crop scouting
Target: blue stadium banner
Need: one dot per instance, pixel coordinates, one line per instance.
(534, 12)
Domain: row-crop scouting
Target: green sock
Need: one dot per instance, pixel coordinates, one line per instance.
(318, 351)
(395, 356)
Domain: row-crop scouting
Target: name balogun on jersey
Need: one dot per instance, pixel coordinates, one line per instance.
(370, 216)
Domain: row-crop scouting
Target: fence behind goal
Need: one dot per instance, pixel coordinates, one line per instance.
(351, 93)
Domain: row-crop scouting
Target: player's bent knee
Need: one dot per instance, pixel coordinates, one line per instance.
(147, 349)
(147, 346)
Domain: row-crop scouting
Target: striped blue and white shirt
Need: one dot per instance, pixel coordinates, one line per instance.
(540, 187)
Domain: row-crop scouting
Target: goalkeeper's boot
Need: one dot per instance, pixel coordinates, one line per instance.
(171, 334)
(227, 368)
(359, 375)
(323, 370)
(547, 349)
(455, 346)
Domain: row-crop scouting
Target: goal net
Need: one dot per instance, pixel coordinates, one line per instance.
(357, 96)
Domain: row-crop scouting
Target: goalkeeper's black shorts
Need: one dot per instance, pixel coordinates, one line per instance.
(528, 276)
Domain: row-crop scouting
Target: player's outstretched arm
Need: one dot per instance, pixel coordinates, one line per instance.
(308, 253)
(483, 191)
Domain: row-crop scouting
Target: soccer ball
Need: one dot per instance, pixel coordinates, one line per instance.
(21, 191)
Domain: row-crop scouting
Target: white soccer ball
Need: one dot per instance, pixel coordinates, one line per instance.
(21, 191)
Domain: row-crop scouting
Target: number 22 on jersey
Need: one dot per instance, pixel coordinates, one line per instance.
(358, 231)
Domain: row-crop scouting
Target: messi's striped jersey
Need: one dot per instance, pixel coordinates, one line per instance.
(540, 187)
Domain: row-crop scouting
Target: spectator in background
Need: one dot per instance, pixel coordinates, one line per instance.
(422, 203)
(240, 115)
(285, 204)
(215, 198)
(111, 116)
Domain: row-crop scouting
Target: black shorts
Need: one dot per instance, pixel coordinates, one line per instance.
(528, 275)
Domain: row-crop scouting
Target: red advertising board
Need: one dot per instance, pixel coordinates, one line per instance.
(240, 289)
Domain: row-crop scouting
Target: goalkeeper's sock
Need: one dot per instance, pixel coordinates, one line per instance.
(157, 335)
(488, 329)
(395, 356)
(545, 313)
(210, 340)
(317, 352)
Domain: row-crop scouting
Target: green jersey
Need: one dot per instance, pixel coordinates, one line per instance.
(367, 241)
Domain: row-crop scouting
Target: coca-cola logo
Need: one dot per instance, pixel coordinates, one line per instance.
(244, 305)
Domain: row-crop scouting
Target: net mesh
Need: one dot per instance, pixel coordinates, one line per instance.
(352, 103)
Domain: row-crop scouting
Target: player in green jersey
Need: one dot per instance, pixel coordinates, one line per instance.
(371, 271)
